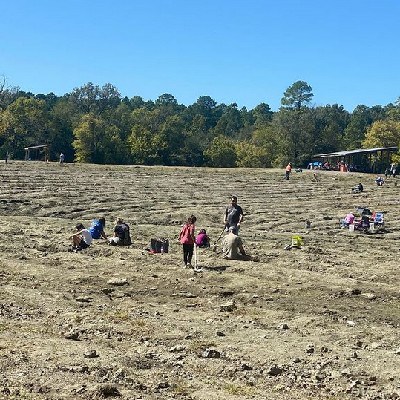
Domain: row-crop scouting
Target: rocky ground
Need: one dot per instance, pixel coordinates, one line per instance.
(320, 322)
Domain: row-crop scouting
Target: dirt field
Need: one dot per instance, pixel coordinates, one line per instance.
(320, 322)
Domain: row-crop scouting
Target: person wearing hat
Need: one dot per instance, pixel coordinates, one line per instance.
(232, 246)
(233, 215)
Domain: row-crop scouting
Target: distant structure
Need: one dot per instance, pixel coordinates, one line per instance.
(40, 152)
(374, 160)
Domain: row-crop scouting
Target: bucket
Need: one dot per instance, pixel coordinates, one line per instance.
(297, 241)
(371, 226)
(351, 227)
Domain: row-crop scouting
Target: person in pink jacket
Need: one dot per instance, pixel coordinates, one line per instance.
(187, 239)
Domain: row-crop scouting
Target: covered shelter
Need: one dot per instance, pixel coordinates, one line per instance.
(374, 160)
(40, 152)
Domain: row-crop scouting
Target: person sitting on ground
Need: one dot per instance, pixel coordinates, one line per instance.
(347, 220)
(232, 246)
(363, 224)
(122, 235)
(379, 181)
(82, 239)
(96, 229)
(358, 188)
(202, 239)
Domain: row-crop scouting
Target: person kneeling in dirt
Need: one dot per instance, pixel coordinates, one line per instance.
(82, 239)
(202, 239)
(379, 181)
(122, 235)
(232, 246)
(358, 188)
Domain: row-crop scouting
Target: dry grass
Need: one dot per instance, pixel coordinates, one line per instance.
(337, 295)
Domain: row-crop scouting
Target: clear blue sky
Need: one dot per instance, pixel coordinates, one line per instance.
(247, 51)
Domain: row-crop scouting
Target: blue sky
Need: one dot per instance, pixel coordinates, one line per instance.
(247, 52)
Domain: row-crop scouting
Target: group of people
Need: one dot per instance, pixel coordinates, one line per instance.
(366, 220)
(232, 244)
(83, 237)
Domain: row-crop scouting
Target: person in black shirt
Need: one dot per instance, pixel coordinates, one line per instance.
(122, 235)
(233, 215)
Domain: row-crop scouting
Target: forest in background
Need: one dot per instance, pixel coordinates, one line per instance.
(95, 124)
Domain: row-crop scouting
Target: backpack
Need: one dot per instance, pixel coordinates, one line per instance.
(159, 245)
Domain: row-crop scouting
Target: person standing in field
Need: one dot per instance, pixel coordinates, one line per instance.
(233, 215)
(187, 239)
(288, 170)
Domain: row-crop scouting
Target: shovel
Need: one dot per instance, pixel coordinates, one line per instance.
(196, 268)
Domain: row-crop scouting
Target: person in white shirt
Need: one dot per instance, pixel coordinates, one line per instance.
(82, 238)
(232, 246)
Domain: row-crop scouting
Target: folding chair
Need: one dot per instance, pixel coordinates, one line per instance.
(379, 219)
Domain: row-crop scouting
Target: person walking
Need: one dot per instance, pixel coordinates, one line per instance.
(233, 215)
(288, 170)
(187, 239)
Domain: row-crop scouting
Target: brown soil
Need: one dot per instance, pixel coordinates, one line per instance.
(320, 322)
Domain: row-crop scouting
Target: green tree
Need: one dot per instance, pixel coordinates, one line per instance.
(24, 123)
(221, 152)
(383, 134)
(329, 124)
(7, 94)
(166, 99)
(94, 99)
(173, 136)
(145, 141)
(61, 118)
(267, 138)
(360, 120)
(249, 155)
(230, 123)
(96, 141)
(294, 130)
(294, 125)
(205, 107)
(298, 95)
(262, 114)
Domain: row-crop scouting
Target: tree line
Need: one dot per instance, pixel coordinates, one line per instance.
(95, 124)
